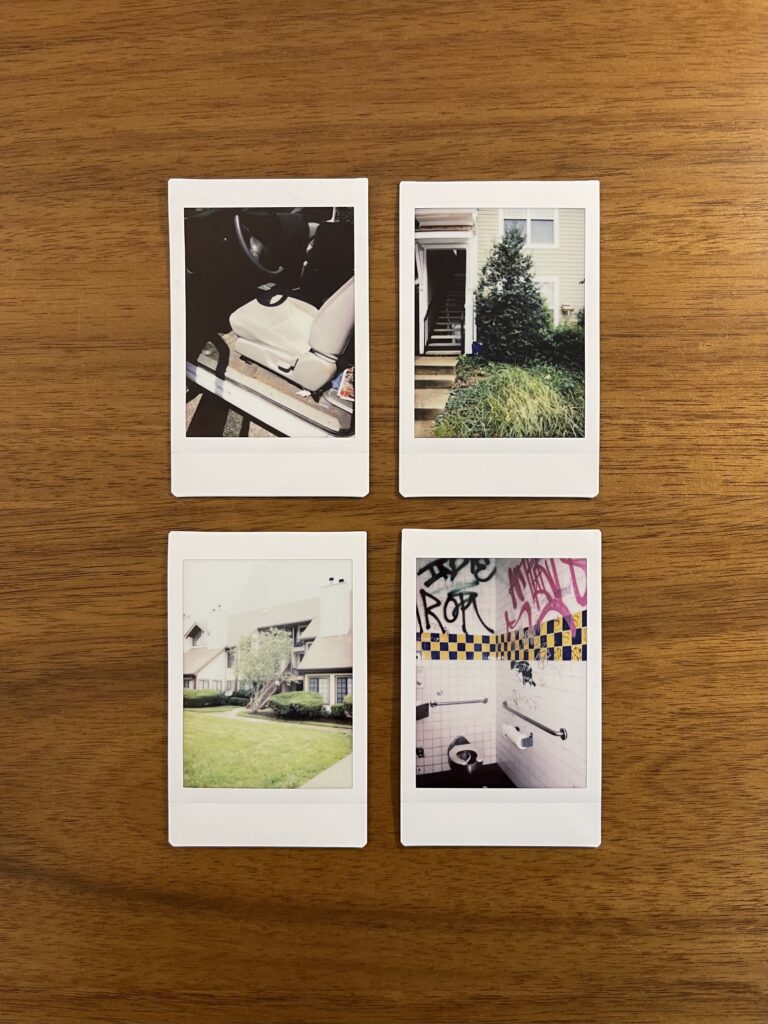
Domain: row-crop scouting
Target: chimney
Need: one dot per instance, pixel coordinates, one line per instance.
(335, 618)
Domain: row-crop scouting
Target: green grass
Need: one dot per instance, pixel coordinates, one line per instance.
(240, 754)
(500, 400)
(213, 711)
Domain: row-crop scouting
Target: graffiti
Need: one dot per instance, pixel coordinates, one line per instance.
(458, 608)
(538, 590)
(525, 671)
(454, 606)
(482, 569)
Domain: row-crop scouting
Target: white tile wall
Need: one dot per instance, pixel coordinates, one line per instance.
(558, 700)
(455, 680)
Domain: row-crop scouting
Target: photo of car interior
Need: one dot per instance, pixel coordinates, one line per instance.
(270, 315)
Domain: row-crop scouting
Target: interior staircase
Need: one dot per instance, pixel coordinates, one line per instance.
(445, 338)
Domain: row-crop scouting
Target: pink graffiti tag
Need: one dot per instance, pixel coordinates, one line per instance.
(536, 591)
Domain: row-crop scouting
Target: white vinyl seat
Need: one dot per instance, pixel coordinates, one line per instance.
(295, 339)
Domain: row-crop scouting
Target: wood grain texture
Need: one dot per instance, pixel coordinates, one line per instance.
(665, 104)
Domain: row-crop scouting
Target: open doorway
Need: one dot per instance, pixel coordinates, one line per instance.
(441, 308)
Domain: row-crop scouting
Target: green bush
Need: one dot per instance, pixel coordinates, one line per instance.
(343, 709)
(296, 705)
(239, 702)
(513, 321)
(566, 346)
(203, 698)
(498, 400)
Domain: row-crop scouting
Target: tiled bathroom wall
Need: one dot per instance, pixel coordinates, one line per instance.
(538, 600)
(455, 680)
(556, 695)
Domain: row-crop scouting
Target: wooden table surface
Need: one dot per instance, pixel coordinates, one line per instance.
(101, 919)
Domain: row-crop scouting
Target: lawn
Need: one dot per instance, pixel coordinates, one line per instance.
(242, 754)
(503, 400)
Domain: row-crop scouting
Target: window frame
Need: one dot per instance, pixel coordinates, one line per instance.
(326, 695)
(528, 244)
(347, 679)
(555, 282)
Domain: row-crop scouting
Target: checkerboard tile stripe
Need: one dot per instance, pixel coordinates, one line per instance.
(560, 639)
(456, 646)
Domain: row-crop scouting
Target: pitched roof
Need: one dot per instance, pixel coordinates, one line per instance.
(198, 657)
(311, 631)
(245, 623)
(327, 653)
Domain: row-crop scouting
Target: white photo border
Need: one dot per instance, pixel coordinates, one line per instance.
(267, 817)
(499, 817)
(503, 467)
(241, 466)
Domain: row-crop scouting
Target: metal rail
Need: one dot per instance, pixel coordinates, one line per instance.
(545, 728)
(442, 703)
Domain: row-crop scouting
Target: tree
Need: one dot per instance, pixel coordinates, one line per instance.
(513, 322)
(262, 658)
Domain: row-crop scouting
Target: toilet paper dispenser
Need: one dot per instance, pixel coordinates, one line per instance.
(531, 721)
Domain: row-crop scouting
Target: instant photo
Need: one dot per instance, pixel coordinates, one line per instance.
(501, 688)
(499, 345)
(267, 689)
(269, 337)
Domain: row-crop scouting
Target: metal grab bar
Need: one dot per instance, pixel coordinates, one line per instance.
(442, 703)
(545, 728)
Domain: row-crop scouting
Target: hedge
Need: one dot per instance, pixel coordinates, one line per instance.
(203, 698)
(342, 709)
(296, 705)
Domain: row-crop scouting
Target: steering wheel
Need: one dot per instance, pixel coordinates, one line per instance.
(254, 249)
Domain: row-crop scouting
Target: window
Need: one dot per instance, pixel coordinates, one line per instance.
(230, 657)
(537, 226)
(321, 685)
(343, 687)
(548, 286)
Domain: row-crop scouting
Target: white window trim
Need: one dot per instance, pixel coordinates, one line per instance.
(555, 282)
(530, 245)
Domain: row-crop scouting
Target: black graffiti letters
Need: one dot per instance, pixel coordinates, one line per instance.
(482, 569)
(458, 606)
(458, 603)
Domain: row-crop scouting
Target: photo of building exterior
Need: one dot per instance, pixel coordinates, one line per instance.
(321, 657)
(451, 248)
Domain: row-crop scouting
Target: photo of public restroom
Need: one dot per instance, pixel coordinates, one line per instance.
(501, 673)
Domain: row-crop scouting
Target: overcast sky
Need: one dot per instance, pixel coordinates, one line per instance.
(248, 585)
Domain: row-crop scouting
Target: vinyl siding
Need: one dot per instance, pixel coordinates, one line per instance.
(565, 262)
(213, 676)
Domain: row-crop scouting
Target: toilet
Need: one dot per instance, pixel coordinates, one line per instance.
(463, 757)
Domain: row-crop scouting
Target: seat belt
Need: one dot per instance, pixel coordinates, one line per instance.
(294, 236)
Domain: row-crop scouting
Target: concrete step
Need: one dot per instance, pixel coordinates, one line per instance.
(424, 428)
(430, 402)
(445, 380)
(436, 364)
(442, 371)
